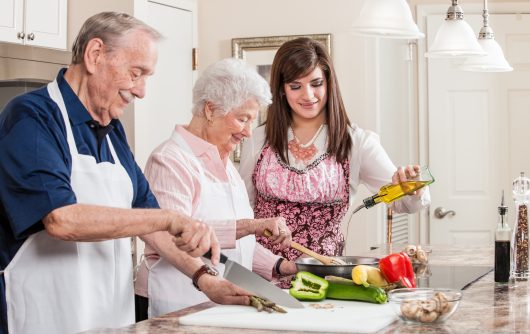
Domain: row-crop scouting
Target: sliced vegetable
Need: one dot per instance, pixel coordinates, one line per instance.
(368, 275)
(345, 291)
(397, 268)
(307, 286)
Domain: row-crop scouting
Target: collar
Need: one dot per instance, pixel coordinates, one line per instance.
(198, 145)
(100, 131)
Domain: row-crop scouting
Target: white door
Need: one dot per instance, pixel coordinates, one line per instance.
(169, 90)
(478, 133)
(168, 98)
(45, 23)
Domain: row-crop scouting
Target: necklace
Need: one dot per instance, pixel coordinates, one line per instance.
(304, 152)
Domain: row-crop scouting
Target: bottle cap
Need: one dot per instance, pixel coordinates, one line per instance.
(521, 188)
(502, 208)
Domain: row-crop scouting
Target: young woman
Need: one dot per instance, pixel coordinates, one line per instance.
(307, 162)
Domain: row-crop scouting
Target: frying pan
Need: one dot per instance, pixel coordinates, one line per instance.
(316, 267)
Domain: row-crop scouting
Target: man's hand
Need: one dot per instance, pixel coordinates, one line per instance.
(222, 291)
(194, 237)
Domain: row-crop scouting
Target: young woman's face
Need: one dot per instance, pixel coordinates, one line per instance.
(307, 96)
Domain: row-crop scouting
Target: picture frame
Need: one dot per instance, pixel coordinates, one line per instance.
(259, 52)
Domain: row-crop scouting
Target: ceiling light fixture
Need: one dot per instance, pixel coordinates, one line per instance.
(386, 18)
(455, 38)
(494, 61)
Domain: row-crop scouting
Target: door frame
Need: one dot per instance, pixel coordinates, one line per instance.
(422, 12)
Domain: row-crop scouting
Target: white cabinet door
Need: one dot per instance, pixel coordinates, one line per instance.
(34, 22)
(45, 23)
(11, 21)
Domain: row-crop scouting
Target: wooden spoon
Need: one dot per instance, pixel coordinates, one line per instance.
(329, 261)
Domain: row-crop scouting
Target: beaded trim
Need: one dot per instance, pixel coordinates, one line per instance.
(301, 171)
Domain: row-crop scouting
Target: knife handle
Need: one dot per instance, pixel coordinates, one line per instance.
(208, 255)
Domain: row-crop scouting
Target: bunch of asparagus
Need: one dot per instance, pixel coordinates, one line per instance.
(262, 304)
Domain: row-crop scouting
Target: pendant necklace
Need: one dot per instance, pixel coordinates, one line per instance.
(304, 152)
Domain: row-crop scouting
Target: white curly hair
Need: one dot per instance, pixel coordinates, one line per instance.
(228, 84)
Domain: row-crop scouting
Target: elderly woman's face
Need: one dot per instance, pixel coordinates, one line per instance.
(228, 130)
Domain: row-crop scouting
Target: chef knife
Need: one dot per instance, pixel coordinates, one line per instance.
(246, 279)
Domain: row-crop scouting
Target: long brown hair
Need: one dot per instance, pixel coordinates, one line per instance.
(295, 59)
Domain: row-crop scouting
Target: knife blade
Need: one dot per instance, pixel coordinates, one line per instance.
(250, 281)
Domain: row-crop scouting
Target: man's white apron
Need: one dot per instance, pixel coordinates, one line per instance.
(55, 286)
(168, 288)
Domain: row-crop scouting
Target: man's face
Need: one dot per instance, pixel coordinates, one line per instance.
(121, 75)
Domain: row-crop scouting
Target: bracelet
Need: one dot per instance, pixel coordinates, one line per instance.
(277, 266)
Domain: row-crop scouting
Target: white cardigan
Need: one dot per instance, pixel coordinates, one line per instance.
(369, 165)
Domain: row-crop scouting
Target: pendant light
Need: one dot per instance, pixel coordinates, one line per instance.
(455, 38)
(386, 18)
(494, 61)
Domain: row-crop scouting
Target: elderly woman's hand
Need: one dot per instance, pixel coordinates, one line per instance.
(407, 173)
(279, 232)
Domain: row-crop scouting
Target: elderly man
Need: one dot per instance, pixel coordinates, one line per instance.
(68, 181)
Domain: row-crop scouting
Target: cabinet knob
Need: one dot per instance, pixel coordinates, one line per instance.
(21, 35)
(31, 36)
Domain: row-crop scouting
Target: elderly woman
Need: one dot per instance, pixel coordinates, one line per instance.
(192, 173)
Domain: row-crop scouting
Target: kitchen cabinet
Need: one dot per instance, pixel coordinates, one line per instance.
(39, 23)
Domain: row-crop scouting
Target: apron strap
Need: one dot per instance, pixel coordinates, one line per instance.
(55, 94)
(112, 151)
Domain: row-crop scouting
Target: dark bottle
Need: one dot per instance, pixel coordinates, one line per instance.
(502, 246)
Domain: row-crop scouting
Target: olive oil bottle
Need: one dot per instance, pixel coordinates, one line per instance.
(391, 192)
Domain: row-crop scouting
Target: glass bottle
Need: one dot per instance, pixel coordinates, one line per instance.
(503, 234)
(521, 193)
(391, 192)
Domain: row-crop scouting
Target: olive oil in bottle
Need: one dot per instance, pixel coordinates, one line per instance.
(391, 192)
(502, 246)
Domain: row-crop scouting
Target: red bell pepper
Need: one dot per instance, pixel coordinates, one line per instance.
(397, 268)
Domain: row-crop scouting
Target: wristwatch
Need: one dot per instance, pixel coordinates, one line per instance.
(205, 269)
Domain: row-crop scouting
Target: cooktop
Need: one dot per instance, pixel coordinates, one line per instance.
(454, 277)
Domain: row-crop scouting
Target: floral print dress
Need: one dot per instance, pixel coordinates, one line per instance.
(313, 201)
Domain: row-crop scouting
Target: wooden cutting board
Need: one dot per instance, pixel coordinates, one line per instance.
(342, 317)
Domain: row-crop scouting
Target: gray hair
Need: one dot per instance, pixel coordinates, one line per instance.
(110, 27)
(228, 84)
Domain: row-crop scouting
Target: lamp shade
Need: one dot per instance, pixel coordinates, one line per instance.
(455, 38)
(386, 18)
(493, 62)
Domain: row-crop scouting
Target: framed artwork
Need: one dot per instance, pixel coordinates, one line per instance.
(259, 52)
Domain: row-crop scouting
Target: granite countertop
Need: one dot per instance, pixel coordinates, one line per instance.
(486, 307)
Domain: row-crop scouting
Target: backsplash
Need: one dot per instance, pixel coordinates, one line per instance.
(12, 88)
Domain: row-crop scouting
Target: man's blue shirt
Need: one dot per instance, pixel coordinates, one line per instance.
(35, 165)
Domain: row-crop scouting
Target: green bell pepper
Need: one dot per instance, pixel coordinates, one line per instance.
(307, 286)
